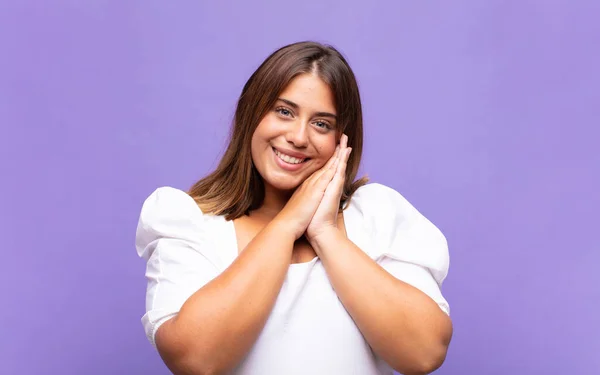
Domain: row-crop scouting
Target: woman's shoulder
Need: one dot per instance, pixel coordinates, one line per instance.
(383, 208)
(167, 204)
(380, 199)
(168, 212)
(400, 231)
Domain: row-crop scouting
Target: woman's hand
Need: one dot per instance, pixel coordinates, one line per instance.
(303, 204)
(325, 217)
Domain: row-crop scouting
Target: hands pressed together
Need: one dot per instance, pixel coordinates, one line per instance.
(313, 208)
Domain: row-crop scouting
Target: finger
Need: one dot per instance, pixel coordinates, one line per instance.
(328, 175)
(339, 155)
(328, 165)
(348, 151)
(333, 157)
(340, 174)
(335, 187)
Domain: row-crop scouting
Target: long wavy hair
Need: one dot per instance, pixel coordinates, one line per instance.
(235, 187)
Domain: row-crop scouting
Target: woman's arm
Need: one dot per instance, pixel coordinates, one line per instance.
(219, 323)
(216, 326)
(403, 325)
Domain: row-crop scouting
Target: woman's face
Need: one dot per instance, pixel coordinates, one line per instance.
(298, 135)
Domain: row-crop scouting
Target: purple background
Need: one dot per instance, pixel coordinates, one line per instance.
(484, 114)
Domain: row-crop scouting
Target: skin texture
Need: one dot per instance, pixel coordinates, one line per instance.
(298, 220)
(296, 129)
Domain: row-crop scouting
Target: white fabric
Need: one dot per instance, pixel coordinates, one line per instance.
(308, 330)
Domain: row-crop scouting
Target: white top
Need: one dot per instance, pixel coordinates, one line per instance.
(308, 330)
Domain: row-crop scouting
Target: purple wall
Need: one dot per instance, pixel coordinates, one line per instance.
(484, 114)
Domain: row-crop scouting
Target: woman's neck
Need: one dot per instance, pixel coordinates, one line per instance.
(273, 202)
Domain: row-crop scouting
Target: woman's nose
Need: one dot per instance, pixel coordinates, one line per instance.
(297, 135)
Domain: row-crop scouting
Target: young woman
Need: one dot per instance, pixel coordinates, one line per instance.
(279, 262)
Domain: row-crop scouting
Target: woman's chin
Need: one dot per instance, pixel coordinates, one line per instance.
(284, 184)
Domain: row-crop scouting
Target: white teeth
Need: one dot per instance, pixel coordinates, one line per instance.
(288, 159)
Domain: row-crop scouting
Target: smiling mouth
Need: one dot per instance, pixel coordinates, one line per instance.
(289, 159)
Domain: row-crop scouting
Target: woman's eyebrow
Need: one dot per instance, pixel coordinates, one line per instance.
(296, 107)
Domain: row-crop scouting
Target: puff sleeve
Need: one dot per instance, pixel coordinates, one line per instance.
(171, 237)
(406, 243)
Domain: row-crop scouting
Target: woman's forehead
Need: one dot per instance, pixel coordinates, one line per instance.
(308, 91)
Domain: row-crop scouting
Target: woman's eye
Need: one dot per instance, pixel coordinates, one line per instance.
(284, 112)
(322, 124)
